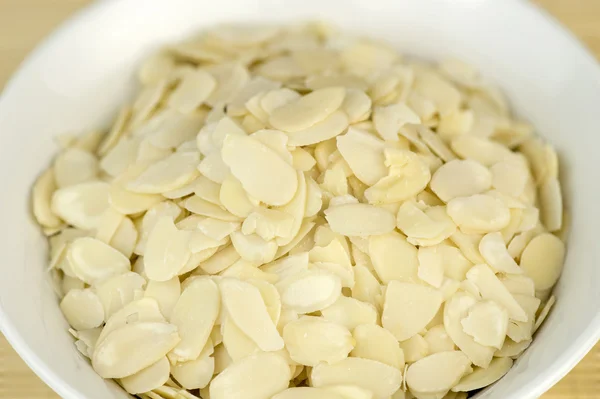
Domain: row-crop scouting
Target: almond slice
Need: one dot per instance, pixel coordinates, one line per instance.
(376, 343)
(415, 349)
(326, 129)
(480, 149)
(389, 119)
(408, 308)
(307, 110)
(202, 207)
(132, 348)
(493, 249)
(431, 268)
(364, 154)
(552, 204)
(479, 213)
(366, 287)
(43, 190)
(166, 294)
(248, 311)
(544, 313)
(81, 205)
(438, 340)
(374, 376)
(492, 288)
(167, 250)
(74, 166)
(482, 377)
(152, 377)
(82, 309)
(460, 178)
(168, 174)
(195, 87)
(437, 373)
(194, 314)
(386, 250)
(221, 260)
(125, 237)
(360, 220)
(309, 291)
(263, 174)
(311, 340)
(350, 312)
(238, 344)
(117, 291)
(92, 260)
(487, 323)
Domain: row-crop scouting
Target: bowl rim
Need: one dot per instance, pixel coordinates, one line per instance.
(586, 340)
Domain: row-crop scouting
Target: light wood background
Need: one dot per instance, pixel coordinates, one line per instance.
(23, 23)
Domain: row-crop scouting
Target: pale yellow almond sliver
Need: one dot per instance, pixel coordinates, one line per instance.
(263, 174)
(194, 374)
(350, 312)
(150, 378)
(125, 237)
(82, 309)
(542, 260)
(479, 213)
(377, 343)
(487, 323)
(307, 393)
(408, 308)
(321, 131)
(386, 250)
(74, 166)
(437, 372)
(81, 205)
(360, 220)
(309, 291)
(167, 250)
(118, 291)
(460, 178)
(202, 207)
(194, 88)
(494, 251)
(551, 204)
(389, 119)
(438, 339)
(364, 154)
(168, 174)
(92, 260)
(166, 294)
(132, 348)
(482, 377)
(43, 190)
(311, 340)
(379, 378)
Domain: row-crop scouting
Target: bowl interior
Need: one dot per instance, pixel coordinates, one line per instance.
(78, 78)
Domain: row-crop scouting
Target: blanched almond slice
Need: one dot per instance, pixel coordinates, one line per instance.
(492, 288)
(217, 229)
(544, 313)
(436, 144)
(326, 129)
(479, 213)
(552, 204)
(147, 379)
(82, 309)
(271, 298)
(92, 260)
(494, 251)
(374, 376)
(220, 261)
(287, 266)
(192, 91)
(357, 105)
(310, 291)
(431, 268)
(415, 223)
(268, 223)
(121, 156)
(542, 260)
(202, 207)
(366, 287)
(409, 175)
(244, 270)
(194, 374)
(81, 205)
(438, 339)
(132, 348)
(125, 237)
(263, 174)
(393, 257)
(198, 242)
(248, 311)
(483, 377)
(389, 119)
(364, 154)
(437, 372)
(415, 349)
(511, 348)
(234, 198)
(116, 132)
(350, 312)
(253, 248)
(128, 202)
(376, 343)
(307, 393)
(168, 174)
(302, 160)
(238, 344)
(118, 291)
(74, 166)
(311, 340)
(521, 331)
(255, 86)
(257, 376)
(433, 86)
(360, 220)
(460, 178)
(518, 284)
(231, 77)
(141, 310)
(151, 217)
(408, 308)
(213, 167)
(482, 150)
(487, 323)
(456, 309)
(307, 110)
(194, 314)
(167, 250)
(43, 190)
(509, 177)
(468, 245)
(166, 294)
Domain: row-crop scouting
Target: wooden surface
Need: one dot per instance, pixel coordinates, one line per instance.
(23, 23)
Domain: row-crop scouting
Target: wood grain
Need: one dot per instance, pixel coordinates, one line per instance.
(23, 23)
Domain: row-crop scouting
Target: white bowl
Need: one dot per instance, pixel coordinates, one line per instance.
(78, 77)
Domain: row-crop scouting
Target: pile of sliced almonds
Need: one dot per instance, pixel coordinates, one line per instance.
(294, 213)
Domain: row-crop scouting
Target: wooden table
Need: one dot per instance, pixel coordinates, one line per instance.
(23, 23)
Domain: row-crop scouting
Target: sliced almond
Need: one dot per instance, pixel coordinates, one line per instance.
(408, 308)
(364, 154)
(310, 291)
(287, 266)
(389, 119)
(460, 178)
(438, 339)
(92, 260)
(386, 250)
(366, 287)
(415, 349)
(81, 205)
(248, 311)
(195, 87)
(194, 314)
(311, 340)
(82, 309)
(542, 260)
(552, 204)
(487, 323)
(479, 213)
(150, 378)
(221, 260)
(244, 270)
(202, 207)
(437, 372)
(263, 174)
(321, 131)
(168, 174)
(132, 348)
(494, 251)
(482, 377)
(74, 166)
(43, 190)
(167, 250)
(544, 313)
(307, 110)
(376, 343)
(374, 376)
(253, 248)
(117, 291)
(238, 344)
(166, 294)
(125, 237)
(360, 220)
(194, 374)
(480, 149)
(350, 312)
